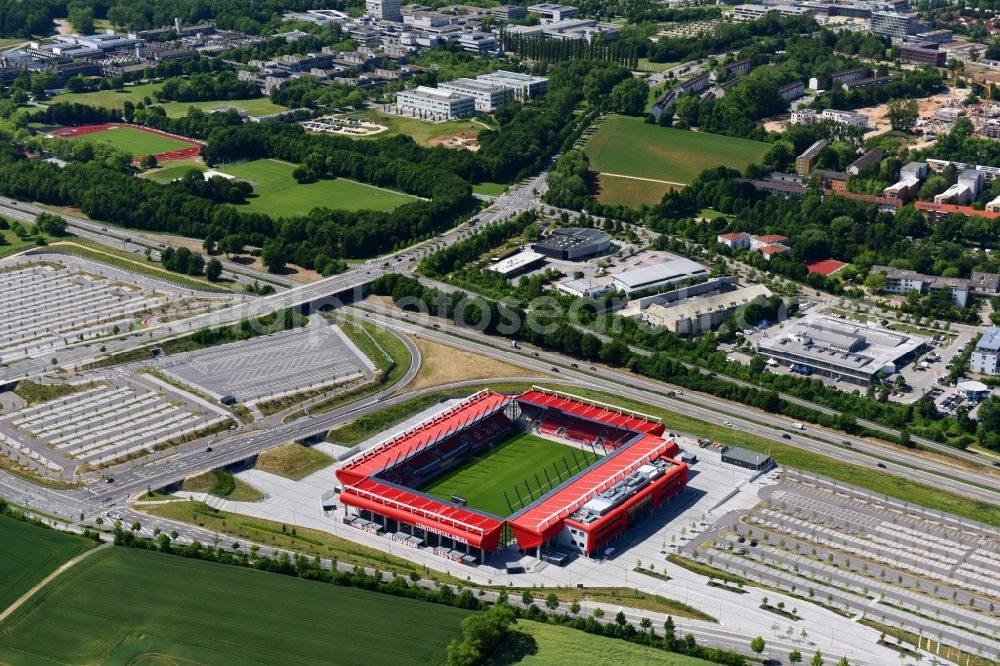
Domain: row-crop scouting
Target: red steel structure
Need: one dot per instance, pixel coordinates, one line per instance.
(639, 474)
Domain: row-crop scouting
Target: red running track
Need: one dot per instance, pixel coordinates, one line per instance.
(184, 153)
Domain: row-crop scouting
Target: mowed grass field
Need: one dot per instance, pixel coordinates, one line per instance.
(628, 146)
(278, 194)
(483, 481)
(539, 644)
(114, 99)
(29, 553)
(134, 142)
(140, 607)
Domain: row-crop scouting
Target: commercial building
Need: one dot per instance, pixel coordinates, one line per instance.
(849, 118)
(923, 53)
(434, 104)
(753, 12)
(383, 10)
(841, 349)
(895, 25)
(659, 275)
(984, 356)
(569, 29)
(550, 12)
(804, 162)
(514, 265)
(488, 95)
(573, 243)
(973, 390)
(902, 282)
(524, 86)
(700, 314)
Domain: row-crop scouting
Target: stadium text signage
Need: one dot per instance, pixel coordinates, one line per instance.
(444, 534)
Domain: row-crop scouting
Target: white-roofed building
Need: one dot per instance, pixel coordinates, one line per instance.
(984, 357)
(434, 103)
(659, 275)
(516, 264)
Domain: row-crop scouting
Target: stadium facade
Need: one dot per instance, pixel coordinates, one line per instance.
(582, 513)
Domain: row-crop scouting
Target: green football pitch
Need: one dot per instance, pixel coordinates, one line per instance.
(124, 606)
(506, 468)
(134, 142)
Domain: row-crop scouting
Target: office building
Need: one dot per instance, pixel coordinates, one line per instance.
(702, 313)
(509, 12)
(488, 95)
(923, 53)
(524, 86)
(984, 356)
(434, 104)
(383, 10)
(894, 25)
(550, 12)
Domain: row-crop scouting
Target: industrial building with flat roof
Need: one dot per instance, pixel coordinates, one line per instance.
(573, 243)
(702, 313)
(516, 264)
(841, 349)
(524, 86)
(434, 104)
(659, 275)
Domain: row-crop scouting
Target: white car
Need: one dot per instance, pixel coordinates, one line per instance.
(727, 423)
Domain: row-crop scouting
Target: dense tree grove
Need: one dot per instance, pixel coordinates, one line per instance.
(206, 87)
(30, 19)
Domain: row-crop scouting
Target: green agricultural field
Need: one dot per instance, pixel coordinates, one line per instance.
(630, 147)
(141, 607)
(29, 553)
(134, 142)
(484, 480)
(114, 99)
(490, 189)
(278, 194)
(538, 644)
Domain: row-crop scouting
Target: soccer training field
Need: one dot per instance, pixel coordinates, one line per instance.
(29, 553)
(630, 147)
(134, 142)
(126, 606)
(484, 480)
(278, 194)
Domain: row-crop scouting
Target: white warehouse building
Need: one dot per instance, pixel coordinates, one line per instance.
(488, 95)
(525, 86)
(434, 103)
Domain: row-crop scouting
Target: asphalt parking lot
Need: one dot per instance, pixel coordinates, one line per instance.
(275, 364)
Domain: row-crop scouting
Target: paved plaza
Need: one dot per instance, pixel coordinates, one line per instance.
(277, 364)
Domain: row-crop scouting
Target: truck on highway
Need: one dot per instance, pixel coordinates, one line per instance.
(798, 426)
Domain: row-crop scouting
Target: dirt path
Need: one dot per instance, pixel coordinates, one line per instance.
(648, 180)
(45, 581)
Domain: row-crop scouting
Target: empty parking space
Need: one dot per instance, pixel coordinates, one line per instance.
(110, 421)
(896, 565)
(277, 364)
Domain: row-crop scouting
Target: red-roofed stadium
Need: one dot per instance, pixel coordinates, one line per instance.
(579, 507)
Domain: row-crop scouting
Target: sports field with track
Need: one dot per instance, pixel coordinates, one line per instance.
(123, 606)
(135, 142)
(516, 467)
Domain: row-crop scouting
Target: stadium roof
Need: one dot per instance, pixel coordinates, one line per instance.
(390, 452)
(539, 522)
(593, 411)
(479, 529)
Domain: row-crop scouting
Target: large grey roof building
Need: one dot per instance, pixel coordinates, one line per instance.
(842, 349)
(573, 243)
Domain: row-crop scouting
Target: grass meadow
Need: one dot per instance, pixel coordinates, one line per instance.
(134, 142)
(278, 194)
